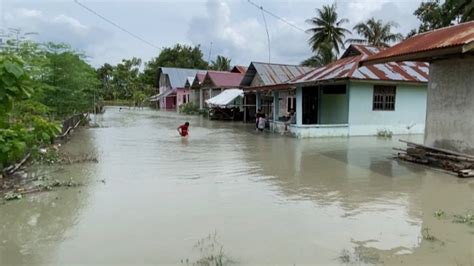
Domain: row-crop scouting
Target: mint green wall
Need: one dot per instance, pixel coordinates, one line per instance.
(408, 117)
(333, 109)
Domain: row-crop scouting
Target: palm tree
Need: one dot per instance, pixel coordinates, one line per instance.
(324, 55)
(327, 29)
(376, 32)
(221, 64)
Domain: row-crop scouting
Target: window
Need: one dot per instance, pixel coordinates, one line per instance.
(384, 98)
(184, 98)
(290, 103)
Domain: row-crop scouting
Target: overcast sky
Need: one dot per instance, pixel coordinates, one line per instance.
(235, 27)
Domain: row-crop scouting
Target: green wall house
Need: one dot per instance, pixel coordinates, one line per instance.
(345, 99)
(450, 105)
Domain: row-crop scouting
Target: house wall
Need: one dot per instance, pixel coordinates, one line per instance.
(194, 96)
(257, 81)
(450, 109)
(407, 118)
(179, 94)
(333, 109)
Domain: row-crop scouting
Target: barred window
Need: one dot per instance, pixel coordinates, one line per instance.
(384, 98)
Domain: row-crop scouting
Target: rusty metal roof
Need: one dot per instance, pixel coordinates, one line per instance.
(441, 42)
(348, 68)
(239, 69)
(272, 74)
(221, 79)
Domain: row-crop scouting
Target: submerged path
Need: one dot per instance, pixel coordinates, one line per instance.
(155, 198)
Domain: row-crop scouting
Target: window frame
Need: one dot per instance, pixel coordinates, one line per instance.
(383, 99)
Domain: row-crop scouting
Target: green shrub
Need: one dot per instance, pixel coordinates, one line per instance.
(189, 109)
(13, 145)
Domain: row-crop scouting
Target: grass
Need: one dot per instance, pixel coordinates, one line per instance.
(426, 234)
(211, 251)
(467, 218)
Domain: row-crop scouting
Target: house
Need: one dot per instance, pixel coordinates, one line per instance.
(259, 77)
(215, 82)
(171, 84)
(344, 99)
(195, 88)
(450, 106)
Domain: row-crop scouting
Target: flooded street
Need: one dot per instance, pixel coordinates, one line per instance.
(155, 198)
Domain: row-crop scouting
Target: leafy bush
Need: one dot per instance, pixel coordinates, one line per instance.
(13, 144)
(189, 109)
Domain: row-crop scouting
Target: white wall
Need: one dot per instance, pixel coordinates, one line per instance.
(333, 109)
(407, 118)
(450, 121)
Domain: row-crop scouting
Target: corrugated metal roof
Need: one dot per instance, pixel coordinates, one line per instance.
(348, 68)
(222, 79)
(178, 76)
(436, 40)
(272, 74)
(239, 69)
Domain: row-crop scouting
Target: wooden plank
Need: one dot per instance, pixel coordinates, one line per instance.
(438, 149)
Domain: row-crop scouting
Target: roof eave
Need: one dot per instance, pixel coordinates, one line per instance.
(428, 55)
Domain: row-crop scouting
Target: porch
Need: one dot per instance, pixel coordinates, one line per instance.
(321, 111)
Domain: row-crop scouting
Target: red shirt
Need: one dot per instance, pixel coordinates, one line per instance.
(184, 130)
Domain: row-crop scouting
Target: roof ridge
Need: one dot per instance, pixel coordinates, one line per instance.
(279, 64)
(443, 28)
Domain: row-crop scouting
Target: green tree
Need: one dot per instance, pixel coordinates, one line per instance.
(105, 76)
(324, 55)
(377, 33)
(72, 82)
(183, 56)
(327, 29)
(434, 14)
(15, 84)
(126, 78)
(221, 64)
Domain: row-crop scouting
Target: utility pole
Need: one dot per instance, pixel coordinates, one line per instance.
(209, 58)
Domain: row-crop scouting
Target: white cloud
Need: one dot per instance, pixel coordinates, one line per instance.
(59, 28)
(244, 39)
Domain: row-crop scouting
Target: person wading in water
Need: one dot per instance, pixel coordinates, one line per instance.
(183, 129)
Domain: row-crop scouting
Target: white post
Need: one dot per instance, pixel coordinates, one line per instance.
(258, 101)
(201, 100)
(299, 106)
(276, 105)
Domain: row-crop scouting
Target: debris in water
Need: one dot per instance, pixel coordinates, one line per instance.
(12, 196)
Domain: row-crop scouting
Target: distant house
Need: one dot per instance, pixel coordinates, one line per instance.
(450, 107)
(261, 76)
(215, 82)
(171, 85)
(343, 99)
(195, 88)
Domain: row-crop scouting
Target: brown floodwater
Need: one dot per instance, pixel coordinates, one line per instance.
(232, 193)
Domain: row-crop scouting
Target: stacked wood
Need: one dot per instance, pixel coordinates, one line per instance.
(459, 163)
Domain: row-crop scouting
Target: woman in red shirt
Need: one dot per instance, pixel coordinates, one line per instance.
(183, 129)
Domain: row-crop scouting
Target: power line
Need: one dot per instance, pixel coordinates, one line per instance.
(116, 25)
(276, 16)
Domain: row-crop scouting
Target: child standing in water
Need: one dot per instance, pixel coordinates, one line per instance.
(261, 123)
(183, 129)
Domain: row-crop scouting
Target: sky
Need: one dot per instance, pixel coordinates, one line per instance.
(235, 27)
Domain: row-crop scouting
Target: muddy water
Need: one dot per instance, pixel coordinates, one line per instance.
(155, 198)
